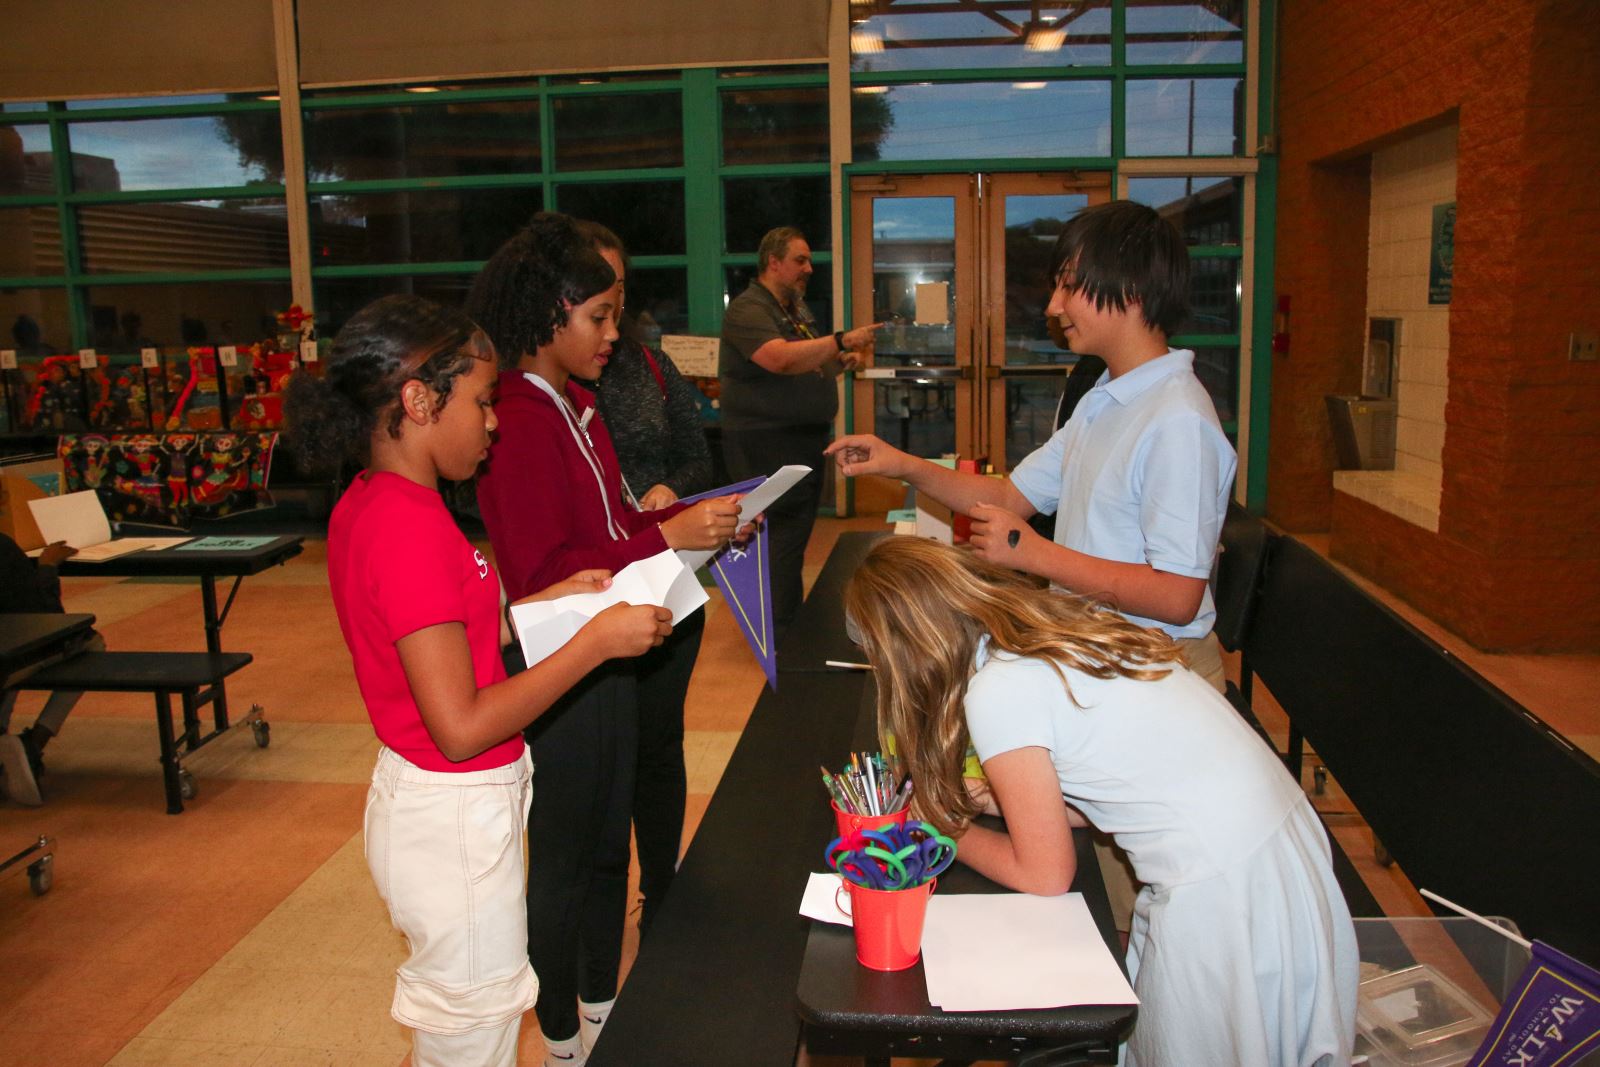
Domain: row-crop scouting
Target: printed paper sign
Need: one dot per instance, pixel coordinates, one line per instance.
(933, 303)
(308, 351)
(695, 357)
(228, 356)
(149, 358)
(87, 359)
(8, 359)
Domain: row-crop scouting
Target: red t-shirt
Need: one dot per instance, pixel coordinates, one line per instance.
(398, 564)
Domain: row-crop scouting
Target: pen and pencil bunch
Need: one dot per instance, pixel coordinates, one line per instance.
(869, 785)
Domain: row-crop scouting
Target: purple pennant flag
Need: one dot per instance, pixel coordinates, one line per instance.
(744, 575)
(1551, 1015)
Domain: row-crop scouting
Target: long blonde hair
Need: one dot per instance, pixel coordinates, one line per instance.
(921, 609)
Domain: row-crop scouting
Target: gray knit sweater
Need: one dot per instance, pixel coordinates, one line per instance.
(658, 438)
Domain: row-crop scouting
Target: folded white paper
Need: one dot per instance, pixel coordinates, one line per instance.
(662, 580)
(1003, 951)
(751, 505)
(821, 899)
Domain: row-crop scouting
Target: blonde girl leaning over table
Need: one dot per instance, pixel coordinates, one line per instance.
(1242, 951)
(407, 393)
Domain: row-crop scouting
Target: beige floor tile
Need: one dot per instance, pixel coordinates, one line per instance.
(320, 1057)
(705, 755)
(295, 938)
(240, 1007)
(167, 1052)
(350, 1013)
(110, 603)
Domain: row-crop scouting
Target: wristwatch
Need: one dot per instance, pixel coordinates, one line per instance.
(838, 339)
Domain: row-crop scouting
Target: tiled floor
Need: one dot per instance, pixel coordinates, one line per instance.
(246, 931)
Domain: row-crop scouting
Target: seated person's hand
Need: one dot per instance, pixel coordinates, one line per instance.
(52, 554)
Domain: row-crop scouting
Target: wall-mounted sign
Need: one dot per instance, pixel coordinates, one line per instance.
(1442, 253)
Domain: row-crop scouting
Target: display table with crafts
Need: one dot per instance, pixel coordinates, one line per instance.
(715, 982)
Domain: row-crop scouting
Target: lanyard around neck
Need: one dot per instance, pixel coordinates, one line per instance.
(579, 428)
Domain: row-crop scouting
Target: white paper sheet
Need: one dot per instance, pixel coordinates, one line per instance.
(662, 580)
(1003, 951)
(934, 519)
(753, 504)
(821, 899)
(122, 546)
(76, 518)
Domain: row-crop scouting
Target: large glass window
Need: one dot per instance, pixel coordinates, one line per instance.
(1213, 296)
(970, 34)
(1184, 116)
(1207, 211)
(35, 322)
(657, 302)
(190, 152)
(27, 163)
(426, 141)
(752, 206)
(618, 131)
(647, 216)
(30, 242)
(985, 120)
(210, 235)
(418, 226)
(775, 125)
(1170, 31)
(339, 298)
(128, 317)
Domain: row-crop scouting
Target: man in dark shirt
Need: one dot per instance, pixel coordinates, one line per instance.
(779, 398)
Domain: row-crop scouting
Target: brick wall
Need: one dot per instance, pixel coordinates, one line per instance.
(1516, 560)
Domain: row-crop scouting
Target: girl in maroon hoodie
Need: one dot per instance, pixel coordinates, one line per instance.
(554, 502)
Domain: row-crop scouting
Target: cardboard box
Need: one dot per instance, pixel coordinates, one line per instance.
(16, 519)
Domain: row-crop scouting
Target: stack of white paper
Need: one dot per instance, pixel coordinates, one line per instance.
(1004, 951)
(661, 580)
(80, 521)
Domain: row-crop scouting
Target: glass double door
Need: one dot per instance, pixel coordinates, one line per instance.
(956, 265)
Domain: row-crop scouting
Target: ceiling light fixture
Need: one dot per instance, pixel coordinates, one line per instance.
(1042, 35)
(863, 41)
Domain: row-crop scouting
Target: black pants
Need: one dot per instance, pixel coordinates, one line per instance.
(754, 452)
(661, 786)
(584, 749)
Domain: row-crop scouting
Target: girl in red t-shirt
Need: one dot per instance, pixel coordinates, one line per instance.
(407, 392)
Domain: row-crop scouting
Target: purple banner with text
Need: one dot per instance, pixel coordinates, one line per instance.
(1551, 1015)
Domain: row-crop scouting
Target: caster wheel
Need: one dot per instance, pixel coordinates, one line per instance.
(1319, 780)
(41, 874)
(1381, 854)
(188, 787)
(263, 733)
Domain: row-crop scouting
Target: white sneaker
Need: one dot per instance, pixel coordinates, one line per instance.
(20, 784)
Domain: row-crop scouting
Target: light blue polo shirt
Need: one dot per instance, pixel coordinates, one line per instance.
(1140, 474)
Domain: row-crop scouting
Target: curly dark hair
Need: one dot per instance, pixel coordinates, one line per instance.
(522, 294)
(329, 421)
(1122, 253)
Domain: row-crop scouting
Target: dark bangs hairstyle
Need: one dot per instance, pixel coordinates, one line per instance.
(1121, 253)
(521, 296)
(330, 421)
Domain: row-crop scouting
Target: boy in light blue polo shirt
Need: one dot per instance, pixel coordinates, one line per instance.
(1139, 476)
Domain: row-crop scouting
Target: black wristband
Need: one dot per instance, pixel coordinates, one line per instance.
(838, 339)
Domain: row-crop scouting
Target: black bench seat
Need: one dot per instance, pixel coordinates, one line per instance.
(196, 678)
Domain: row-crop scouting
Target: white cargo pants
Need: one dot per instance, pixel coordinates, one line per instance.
(447, 854)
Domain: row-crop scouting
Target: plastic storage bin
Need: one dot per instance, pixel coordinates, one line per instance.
(1430, 988)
